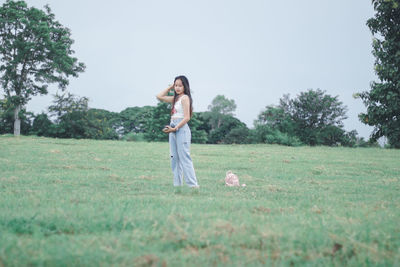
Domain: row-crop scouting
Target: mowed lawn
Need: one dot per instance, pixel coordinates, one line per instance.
(98, 203)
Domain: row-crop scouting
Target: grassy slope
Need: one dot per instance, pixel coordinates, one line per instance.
(86, 202)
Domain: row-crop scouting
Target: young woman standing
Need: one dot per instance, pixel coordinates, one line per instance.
(179, 131)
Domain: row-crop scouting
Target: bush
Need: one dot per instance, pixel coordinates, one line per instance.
(223, 134)
(238, 135)
(332, 135)
(277, 137)
(134, 137)
(265, 134)
(42, 126)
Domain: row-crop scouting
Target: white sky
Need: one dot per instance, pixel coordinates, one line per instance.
(251, 51)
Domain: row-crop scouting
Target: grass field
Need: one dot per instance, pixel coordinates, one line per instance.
(99, 203)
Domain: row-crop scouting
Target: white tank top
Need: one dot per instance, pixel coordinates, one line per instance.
(177, 112)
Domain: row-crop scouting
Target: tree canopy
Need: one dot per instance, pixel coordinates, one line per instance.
(35, 51)
(313, 118)
(219, 107)
(383, 100)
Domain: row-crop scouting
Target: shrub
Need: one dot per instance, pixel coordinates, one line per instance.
(134, 137)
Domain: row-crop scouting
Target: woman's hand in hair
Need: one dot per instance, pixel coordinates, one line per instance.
(163, 95)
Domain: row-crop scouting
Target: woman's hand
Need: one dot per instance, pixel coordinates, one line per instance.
(169, 129)
(163, 95)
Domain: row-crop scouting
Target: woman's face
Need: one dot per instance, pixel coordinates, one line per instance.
(178, 86)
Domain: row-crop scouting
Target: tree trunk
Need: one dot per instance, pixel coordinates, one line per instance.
(17, 121)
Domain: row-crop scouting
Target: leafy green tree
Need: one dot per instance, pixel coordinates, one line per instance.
(7, 118)
(222, 105)
(274, 125)
(199, 135)
(276, 118)
(220, 124)
(69, 112)
(315, 112)
(154, 125)
(74, 119)
(35, 51)
(6, 115)
(101, 124)
(134, 119)
(228, 131)
(67, 103)
(219, 107)
(238, 135)
(313, 118)
(204, 119)
(351, 139)
(383, 100)
(43, 126)
(331, 135)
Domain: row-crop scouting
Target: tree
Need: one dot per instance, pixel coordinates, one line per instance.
(7, 118)
(331, 135)
(101, 124)
(199, 135)
(35, 51)
(134, 119)
(229, 131)
(42, 126)
(276, 118)
(74, 119)
(67, 103)
(68, 112)
(220, 106)
(154, 125)
(238, 135)
(220, 124)
(272, 126)
(383, 100)
(313, 113)
(350, 139)
(313, 118)
(204, 119)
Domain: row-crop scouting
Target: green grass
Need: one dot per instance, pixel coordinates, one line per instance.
(86, 202)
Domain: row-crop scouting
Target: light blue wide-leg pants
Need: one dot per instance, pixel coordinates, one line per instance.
(181, 162)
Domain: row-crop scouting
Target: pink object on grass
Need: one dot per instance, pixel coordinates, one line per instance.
(231, 179)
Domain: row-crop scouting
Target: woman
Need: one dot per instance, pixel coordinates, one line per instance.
(179, 131)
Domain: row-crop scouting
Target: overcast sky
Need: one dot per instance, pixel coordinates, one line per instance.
(251, 51)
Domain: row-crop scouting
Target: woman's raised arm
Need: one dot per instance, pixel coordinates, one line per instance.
(162, 96)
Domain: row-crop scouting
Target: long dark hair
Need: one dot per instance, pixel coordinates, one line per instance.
(186, 91)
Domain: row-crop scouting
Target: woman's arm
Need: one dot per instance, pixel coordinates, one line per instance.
(162, 96)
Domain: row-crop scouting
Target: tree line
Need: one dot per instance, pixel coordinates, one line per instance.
(312, 118)
(36, 50)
